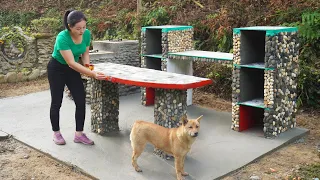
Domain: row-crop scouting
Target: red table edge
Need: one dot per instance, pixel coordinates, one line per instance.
(160, 85)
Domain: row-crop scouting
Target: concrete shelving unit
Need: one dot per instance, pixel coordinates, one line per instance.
(265, 78)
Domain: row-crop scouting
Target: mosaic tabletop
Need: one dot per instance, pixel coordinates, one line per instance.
(130, 75)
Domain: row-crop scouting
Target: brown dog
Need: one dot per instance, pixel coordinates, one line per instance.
(175, 141)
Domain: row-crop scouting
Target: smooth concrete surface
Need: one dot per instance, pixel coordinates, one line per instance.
(217, 151)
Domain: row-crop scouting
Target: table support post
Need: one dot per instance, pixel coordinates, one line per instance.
(170, 106)
(104, 107)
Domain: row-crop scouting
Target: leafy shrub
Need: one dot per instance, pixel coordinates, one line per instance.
(156, 16)
(220, 74)
(8, 18)
(46, 25)
(309, 77)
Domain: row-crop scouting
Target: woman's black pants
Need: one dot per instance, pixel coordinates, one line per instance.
(60, 75)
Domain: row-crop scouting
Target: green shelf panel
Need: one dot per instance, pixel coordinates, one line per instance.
(153, 55)
(167, 28)
(205, 54)
(253, 65)
(270, 30)
(258, 103)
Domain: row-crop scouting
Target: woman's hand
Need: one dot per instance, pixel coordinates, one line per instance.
(99, 75)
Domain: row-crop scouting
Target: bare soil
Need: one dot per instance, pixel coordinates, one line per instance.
(284, 163)
(18, 161)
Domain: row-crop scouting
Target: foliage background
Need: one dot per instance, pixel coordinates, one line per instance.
(213, 22)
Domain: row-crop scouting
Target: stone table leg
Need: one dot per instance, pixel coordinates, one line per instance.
(170, 105)
(104, 107)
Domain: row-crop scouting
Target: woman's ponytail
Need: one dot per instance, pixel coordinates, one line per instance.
(65, 19)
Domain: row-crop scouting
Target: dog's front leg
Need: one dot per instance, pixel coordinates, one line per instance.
(178, 165)
(183, 172)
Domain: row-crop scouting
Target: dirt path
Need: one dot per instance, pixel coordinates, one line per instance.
(18, 161)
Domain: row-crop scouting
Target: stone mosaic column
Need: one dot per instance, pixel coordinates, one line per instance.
(164, 64)
(170, 106)
(178, 41)
(282, 51)
(143, 64)
(235, 82)
(143, 48)
(104, 106)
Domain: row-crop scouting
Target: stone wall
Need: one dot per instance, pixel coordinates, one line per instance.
(31, 61)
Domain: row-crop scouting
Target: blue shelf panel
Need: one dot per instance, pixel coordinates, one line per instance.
(254, 66)
(153, 55)
(270, 30)
(258, 103)
(167, 28)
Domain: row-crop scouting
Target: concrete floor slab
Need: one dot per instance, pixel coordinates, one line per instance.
(217, 151)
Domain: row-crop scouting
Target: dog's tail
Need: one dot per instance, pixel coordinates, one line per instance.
(132, 129)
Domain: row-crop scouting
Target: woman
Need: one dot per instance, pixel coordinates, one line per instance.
(64, 69)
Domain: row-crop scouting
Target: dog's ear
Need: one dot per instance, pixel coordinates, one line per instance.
(184, 120)
(199, 118)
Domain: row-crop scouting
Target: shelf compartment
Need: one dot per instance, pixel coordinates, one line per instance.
(254, 66)
(252, 49)
(251, 84)
(250, 117)
(153, 63)
(153, 41)
(153, 55)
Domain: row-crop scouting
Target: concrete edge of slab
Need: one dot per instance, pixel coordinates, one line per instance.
(68, 164)
(190, 176)
(269, 152)
(4, 135)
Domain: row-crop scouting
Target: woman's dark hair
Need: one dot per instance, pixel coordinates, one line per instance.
(72, 17)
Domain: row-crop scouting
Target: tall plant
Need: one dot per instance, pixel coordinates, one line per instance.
(309, 78)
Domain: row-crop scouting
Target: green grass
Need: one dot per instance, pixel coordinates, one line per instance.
(308, 172)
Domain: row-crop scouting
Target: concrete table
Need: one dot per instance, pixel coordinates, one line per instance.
(170, 94)
(182, 63)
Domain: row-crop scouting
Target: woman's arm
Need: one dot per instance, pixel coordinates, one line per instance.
(68, 56)
(85, 57)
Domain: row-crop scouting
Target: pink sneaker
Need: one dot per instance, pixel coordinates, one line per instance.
(83, 139)
(58, 139)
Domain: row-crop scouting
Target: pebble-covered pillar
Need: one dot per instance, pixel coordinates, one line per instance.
(177, 41)
(165, 50)
(87, 86)
(235, 82)
(143, 64)
(104, 106)
(170, 106)
(282, 51)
